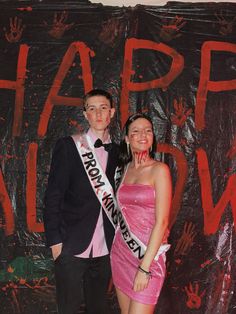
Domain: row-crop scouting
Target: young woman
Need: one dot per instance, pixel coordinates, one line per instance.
(144, 197)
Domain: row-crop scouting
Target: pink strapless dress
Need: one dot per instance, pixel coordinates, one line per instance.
(137, 202)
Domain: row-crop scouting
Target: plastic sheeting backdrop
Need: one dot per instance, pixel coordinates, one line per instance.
(176, 62)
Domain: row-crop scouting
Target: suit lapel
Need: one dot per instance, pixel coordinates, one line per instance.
(111, 161)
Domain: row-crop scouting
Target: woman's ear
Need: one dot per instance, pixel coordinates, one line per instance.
(112, 112)
(85, 114)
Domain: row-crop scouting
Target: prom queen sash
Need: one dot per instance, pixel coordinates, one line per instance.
(105, 195)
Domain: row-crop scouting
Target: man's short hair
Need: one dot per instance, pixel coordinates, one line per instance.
(97, 92)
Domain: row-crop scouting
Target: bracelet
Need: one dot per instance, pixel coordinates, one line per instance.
(147, 273)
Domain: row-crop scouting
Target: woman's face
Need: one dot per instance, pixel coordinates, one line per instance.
(140, 135)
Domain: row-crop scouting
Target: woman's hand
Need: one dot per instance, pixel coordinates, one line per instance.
(141, 281)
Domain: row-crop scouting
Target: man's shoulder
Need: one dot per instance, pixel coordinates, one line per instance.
(70, 138)
(65, 144)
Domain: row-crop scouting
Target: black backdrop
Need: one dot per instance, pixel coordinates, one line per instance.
(176, 62)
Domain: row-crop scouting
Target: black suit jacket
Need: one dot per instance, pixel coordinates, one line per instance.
(71, 206)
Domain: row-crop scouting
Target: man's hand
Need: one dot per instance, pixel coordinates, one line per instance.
(56, 250)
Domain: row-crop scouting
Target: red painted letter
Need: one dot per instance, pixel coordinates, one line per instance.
(205, 84)
(31, 183)
(163, 82)
(53, 97)
(7, 207)
(212, 215)
(18, 85)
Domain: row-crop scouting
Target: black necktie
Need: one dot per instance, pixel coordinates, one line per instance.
(99, 143)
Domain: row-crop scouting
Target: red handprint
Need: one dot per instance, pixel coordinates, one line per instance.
(186, 240)
(111, 30)
(59, 27)
(194, 299)
(172, 28)
(16, 30)
(181, 113)
(226, 27)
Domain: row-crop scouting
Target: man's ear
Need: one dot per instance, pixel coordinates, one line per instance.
(126, 139)
(112, 112)
(85, 114)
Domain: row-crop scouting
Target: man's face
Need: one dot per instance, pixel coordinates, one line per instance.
(98, 112)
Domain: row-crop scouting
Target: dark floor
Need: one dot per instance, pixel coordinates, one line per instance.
(40, 300)
(112, 301)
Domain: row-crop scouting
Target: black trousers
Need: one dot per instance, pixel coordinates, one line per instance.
(77, 277)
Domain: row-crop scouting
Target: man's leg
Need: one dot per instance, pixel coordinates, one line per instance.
(96, 280)
(69, 272)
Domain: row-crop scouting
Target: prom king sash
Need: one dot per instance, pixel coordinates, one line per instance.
(105, 195)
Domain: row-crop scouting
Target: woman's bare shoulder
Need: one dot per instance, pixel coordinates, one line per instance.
(160, 174)
(159, 166)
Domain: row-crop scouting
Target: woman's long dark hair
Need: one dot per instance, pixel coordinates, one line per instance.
(125, 156)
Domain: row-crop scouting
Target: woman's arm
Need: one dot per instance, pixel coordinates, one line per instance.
(163, 190)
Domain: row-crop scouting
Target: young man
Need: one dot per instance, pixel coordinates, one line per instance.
(76, 226)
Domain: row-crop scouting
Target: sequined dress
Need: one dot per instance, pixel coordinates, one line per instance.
(137, 202)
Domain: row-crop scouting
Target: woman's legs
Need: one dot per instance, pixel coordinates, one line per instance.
(124, 301)
(140, 308)
(129, 306)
